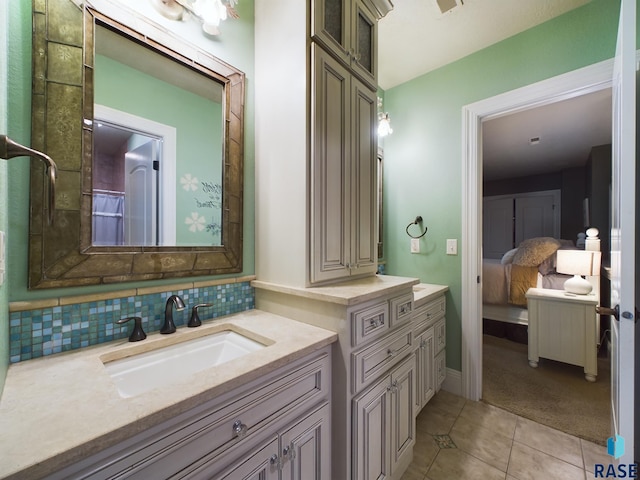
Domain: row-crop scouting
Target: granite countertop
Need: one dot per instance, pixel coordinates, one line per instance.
(351, 292)
(61, 408)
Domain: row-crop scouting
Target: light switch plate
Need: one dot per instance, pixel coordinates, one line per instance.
(415, 245)
(452, 246)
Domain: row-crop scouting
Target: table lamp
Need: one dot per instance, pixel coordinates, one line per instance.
(578, 263)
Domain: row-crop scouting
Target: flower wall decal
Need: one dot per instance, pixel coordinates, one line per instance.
(196, 222)
(189, 183)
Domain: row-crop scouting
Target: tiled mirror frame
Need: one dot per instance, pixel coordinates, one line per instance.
(62, 111)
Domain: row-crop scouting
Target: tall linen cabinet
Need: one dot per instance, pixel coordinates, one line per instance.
(316, 142)
(316, 220)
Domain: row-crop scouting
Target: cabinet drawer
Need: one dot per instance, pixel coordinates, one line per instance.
(429, 313)
(212, 428)
(369, 323)
(440, 334)
(372, 361)
(401, 309)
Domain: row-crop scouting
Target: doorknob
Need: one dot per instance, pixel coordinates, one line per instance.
(615, 312)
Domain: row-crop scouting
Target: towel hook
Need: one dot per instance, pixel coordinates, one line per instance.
(415, 222)
(10, 149)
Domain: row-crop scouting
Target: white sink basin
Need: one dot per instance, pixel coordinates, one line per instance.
(163, 366)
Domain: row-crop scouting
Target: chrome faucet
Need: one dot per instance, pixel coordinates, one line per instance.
(169, 326)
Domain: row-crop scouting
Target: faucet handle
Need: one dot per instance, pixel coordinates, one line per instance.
(137, 333)
(194, 321)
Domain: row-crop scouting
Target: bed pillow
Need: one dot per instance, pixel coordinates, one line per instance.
(507, 258)
(533, 251)
(548, 266)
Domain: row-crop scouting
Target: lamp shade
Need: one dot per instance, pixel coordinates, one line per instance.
(577, 263)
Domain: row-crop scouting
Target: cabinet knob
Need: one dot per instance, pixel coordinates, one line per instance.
(239, 429)
(289, 451)
(274, 461)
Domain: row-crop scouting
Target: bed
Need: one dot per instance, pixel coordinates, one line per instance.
(505, 281)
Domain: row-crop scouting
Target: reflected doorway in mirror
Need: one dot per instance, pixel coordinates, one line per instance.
(134, 188)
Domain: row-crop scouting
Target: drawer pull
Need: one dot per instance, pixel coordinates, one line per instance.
(392, 353)
(376, 322)
(239, 429)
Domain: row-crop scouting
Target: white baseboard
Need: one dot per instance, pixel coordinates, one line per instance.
(453, 382)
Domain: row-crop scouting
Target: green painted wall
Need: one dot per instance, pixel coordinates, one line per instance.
(235, 46)
(4, 199)
(423, 156)
(198, 124)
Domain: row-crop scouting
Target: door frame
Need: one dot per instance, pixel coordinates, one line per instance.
(562, 87)
(167, 184)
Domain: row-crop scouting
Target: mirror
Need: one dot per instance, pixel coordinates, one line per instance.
(148, 113)
(150, 164)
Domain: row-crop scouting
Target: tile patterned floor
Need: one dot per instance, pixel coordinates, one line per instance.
(464, 440)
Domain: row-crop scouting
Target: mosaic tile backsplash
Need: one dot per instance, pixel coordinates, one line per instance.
(36, 333)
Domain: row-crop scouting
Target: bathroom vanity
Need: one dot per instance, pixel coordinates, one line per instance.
(376, 379)
(429, 340)
(267, 411)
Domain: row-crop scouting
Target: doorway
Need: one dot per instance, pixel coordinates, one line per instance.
(144, 178)
(538, 168)
(579, 82)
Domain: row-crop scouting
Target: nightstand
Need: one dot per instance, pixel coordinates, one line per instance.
(564, 327)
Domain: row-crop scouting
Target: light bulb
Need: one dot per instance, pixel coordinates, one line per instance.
(384, 126)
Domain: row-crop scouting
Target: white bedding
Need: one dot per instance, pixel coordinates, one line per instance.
(495, 281)
(496, 278)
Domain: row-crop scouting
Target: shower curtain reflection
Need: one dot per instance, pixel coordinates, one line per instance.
(108, 218)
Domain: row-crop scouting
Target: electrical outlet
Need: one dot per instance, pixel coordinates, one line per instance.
(452, 246)
(415, 245)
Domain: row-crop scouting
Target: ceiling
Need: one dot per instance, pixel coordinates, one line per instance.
(566, 131)
(415, 38)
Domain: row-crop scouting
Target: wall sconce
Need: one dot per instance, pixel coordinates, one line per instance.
(384, 122)
(209, 12)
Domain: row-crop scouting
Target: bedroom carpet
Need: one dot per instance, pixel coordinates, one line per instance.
(554, 394)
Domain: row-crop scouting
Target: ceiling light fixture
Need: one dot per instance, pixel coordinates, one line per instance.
(209, 12)
(447, 6)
